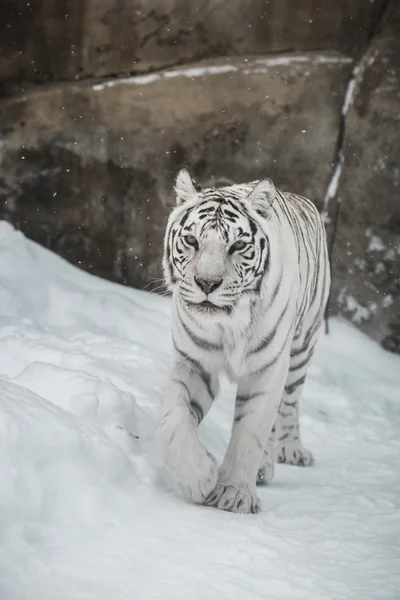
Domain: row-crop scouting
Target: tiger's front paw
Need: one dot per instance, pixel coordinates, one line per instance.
(234, 498)
(294, 453)
(198, 477)
(189, 462)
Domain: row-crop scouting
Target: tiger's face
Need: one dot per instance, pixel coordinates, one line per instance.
(216, 244)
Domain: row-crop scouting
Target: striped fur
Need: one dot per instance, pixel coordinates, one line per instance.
(263, 256)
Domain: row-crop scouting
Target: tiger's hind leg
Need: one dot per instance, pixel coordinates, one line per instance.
(284, 444)
(288, 446)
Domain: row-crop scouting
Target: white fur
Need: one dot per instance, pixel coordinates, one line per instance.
(262, 196)
(184, 188)
(285, 318)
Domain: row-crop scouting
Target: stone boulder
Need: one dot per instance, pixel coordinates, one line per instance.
(88, 168)
(44, 40)
(366, 284)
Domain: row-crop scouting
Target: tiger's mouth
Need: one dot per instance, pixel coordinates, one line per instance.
(207, 307)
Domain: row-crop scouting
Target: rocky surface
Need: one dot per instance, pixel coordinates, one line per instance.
(88, 170)
(367, 250)
(45, 40)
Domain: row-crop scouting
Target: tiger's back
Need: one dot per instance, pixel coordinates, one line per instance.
(306, 225)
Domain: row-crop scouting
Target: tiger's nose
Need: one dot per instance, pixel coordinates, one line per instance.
(207, 285)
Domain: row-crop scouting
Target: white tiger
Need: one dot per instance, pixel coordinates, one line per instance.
(249, 273)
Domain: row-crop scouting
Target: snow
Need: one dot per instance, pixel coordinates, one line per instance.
(356, 78)
(337, 171)
(348, 98)
(376, 244)
(87, 511)
(272, 61)
(357, 311)
(354, 81)
(138, 80)
(253, 66)
(333, 184)
(201, 71)
(387, 301)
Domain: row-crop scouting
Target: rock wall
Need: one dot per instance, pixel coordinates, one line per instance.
(88, 170)
(45, 40)
(103, 101)
(366, 258)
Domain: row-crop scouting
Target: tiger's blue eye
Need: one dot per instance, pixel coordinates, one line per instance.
(190, 240)
(239, 245)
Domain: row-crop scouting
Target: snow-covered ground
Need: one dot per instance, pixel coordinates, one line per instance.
(87, 511)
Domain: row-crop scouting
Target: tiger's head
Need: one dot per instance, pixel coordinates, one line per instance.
(216, 245)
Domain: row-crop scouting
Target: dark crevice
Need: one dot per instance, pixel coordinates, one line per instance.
(376, 25)
(339, 146)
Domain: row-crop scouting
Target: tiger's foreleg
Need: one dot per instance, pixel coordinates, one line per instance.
(189, 396)
(257, 402)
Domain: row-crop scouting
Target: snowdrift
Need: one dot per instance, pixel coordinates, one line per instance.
(87, 511)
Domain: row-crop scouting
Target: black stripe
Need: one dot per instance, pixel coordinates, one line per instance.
(201, 343)
(285, 415)
(239, 208)
(204, 376)
(268, 339)
(230, 214)
(289, 389)
(244, 398)
(276, 290)
(185, 217)
(319, 265)
(183, 384)
(268, 365)
(261, 265)
(262, 273)
(238, 418)
(196, 410)
(303, 363)
(311, 332)
(202, 212)
(253, 225)
(291, 404)
(194, 406)
(274, 359)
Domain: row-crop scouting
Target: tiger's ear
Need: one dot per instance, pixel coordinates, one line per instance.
(262, 196)
(185, 187)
